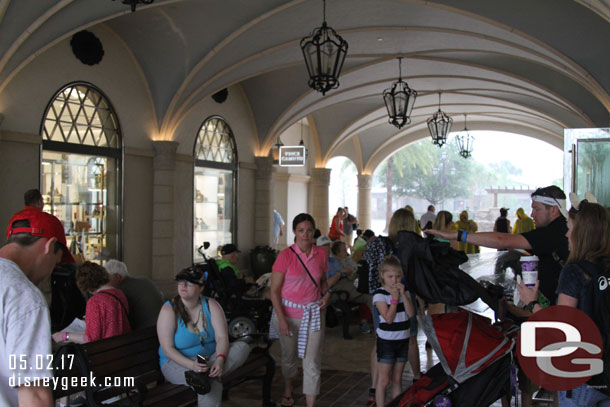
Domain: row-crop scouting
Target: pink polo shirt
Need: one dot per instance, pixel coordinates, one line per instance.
(297, 286)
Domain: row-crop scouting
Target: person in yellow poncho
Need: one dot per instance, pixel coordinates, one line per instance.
(470, 226)
(523, 223)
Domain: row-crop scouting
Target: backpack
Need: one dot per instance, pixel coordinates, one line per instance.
(597, 306)
(363, 277)
(373, 255)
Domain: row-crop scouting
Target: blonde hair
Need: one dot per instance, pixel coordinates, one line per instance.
(389, 262)
(443, 221)
(402, 219)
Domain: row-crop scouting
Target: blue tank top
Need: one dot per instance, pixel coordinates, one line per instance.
(187, 342)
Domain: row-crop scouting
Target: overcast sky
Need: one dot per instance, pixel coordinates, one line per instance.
(541, 162)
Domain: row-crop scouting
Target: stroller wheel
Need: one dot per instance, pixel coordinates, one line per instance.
(240, 327)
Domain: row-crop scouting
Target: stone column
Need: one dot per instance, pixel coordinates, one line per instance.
(320, 181)
(364, 200)
(164, 168)
(263, 201)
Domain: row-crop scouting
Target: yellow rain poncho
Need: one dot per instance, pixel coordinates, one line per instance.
(469, 226)
(524, 223)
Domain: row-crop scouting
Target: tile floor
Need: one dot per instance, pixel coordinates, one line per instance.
(345, 373)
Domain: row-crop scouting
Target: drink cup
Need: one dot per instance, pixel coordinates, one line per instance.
(529, 263)
(530, 277)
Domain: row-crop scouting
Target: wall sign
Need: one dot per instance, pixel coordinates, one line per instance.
(292, 156)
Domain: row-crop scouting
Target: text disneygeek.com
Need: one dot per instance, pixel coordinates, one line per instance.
(65, 383)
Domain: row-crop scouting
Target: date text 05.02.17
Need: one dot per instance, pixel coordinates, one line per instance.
(40, 362)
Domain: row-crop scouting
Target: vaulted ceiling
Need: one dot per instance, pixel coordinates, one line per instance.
(531, 67)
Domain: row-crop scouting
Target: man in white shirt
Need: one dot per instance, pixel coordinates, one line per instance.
(278, 225)
(427, 219)
(36, 244)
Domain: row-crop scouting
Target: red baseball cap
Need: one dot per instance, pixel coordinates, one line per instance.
(41, 224)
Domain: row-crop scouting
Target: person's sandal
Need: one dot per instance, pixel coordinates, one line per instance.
(287, 401)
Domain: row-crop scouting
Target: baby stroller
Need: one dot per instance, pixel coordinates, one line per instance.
(475, 356)
(474, 368)
(245, 315)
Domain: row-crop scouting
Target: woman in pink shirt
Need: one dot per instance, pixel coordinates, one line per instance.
(107, 310)
(299, 292)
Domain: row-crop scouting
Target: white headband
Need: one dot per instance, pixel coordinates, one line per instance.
(547, 200)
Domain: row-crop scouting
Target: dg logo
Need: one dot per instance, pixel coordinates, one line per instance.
(560, 348)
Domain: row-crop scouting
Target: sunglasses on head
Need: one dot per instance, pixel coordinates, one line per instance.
(542, 192)
(192, 276)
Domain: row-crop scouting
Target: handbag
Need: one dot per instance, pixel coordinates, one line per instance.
(199, 382)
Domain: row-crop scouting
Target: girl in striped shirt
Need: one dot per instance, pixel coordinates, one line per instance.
(395, 310)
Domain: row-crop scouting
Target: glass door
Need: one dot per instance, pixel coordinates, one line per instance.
(587, 163)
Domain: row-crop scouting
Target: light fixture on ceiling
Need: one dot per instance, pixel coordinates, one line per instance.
(439, 125)
(134, 3)
(399, 100)
(465, 141)
(324, 53)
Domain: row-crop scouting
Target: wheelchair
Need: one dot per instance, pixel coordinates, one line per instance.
(246, 314)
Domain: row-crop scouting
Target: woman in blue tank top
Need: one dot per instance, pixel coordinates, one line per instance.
(190, 325)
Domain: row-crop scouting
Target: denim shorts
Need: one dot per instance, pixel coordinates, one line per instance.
(390, 352)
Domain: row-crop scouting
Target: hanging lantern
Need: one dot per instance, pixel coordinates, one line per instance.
(465, 141)
(324, 53)
(134, 3)
(439, 125)
(399, 100)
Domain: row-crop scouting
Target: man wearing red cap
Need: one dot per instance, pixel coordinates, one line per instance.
(36, 244)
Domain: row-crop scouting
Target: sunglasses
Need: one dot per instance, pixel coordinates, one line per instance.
(192, 276)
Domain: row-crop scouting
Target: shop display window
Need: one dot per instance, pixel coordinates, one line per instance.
(80, 172)
(214, 187)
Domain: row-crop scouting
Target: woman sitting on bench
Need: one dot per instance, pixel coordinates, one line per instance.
(190, 325)
(107, 312)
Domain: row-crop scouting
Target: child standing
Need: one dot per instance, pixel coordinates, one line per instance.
(395, 309)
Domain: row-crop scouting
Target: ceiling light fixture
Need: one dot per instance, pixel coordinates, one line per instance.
(324, 53)
(465, 141)
(399, 100)
(134, 3)
(439, 125)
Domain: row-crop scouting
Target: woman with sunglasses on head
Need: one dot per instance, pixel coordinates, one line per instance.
(589, 242)
(299, 293)
(190, 325)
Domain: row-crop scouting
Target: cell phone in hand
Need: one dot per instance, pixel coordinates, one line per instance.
(202, 359)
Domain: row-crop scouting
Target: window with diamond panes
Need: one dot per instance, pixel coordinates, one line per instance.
(79, 114)
(215, 177)
(80, 174)
(215, 142)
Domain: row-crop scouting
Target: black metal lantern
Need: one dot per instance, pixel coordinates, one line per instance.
(324, 53)
(399, 100)
(465, 141)
(134, 3)
(439, 125)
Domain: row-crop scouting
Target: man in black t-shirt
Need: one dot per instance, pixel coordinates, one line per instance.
(548, 241)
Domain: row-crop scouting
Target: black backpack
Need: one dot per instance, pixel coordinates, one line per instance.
(597, 306)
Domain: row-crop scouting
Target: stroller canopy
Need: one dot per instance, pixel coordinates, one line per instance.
(466, 343)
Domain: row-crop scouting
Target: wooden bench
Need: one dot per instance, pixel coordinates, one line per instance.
(135, 355)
